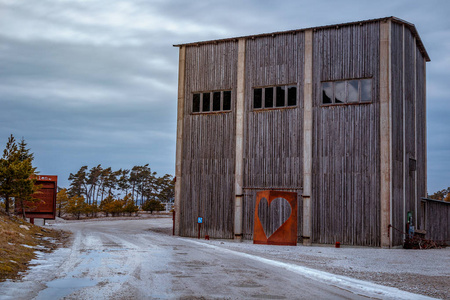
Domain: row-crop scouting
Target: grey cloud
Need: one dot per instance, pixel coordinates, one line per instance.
(96, 81)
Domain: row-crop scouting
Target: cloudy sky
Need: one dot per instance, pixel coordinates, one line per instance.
(95, 82)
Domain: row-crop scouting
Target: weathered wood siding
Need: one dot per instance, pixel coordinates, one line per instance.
(408, 130)
(273, 138)
(209, 144)
(346, 153)
(421, 130)
(398, 131)
(437, 220)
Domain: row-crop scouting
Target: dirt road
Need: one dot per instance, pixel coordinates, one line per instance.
(131, 259)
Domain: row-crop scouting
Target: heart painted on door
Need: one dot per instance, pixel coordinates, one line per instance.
(273, 216)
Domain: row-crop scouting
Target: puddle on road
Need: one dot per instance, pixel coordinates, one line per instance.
(63, 287)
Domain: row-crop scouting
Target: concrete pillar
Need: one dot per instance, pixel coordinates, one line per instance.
(385, 135)
(307, 138)
(239, 162)
(179, 149)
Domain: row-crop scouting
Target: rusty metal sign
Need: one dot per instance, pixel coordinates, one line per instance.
(46, 208)
(275, 220)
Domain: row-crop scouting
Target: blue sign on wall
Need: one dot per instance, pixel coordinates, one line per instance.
(200, 220)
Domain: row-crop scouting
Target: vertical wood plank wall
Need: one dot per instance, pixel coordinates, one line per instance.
(437, 218)
(273, 138)
(209, 144)
(346, 153)
(408, 132)
(398, 130)
(421, 133)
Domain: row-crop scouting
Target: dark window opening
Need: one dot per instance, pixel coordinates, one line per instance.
(327, 92)
(280, 95)
(412, 165)
(275, 96)
(206, 102)
(227, 100)
(268, 97)
(257, 98)
(216, 101)
(196, 103)
(292, 95)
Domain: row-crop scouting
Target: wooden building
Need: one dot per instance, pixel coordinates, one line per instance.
(334, 113)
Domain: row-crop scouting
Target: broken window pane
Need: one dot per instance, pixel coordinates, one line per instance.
(257, 98)
(216, 101)
(280, 96)
(206, 102)
(366, 90)
(268, 94)
(292, 95)
(227, 100)
(353, 93)
(327, 92)
(339, 92)
(196, 103)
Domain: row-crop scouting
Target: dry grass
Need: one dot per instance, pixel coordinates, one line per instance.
(18, 244)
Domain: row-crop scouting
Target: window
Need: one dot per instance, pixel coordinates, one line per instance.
(347, 91)
(275, 97)
(257, 98)
(206, 102)
(196, 103)
(217, 101)
(226, 100)
(268, 96)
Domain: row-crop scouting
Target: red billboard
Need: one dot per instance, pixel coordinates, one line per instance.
(46, 208)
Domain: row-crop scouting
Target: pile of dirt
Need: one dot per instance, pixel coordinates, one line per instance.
(19, 242)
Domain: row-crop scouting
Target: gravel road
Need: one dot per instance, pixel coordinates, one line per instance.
(139, 259)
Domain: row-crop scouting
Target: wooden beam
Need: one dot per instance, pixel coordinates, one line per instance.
(179, 149)
(307, 138)
(385, 135)
(239, 160)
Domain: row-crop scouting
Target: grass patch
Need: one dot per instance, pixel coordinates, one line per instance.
(18, 242)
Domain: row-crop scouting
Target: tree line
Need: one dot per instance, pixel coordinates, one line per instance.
(139, 182)
(77, 206)
(114, 192)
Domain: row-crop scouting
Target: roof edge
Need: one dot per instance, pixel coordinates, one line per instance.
(410, 26)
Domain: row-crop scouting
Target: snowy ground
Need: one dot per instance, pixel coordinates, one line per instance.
(139, 259)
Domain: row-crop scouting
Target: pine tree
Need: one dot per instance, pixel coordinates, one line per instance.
(16, 170)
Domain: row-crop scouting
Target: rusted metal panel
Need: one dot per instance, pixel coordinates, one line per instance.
(272, 225)
(46, 207)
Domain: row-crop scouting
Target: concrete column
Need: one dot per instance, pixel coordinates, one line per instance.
(179, 149)
(239, 162)
(307, 138)
(385, 135)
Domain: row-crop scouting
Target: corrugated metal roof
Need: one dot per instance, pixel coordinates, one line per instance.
(410, 26)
